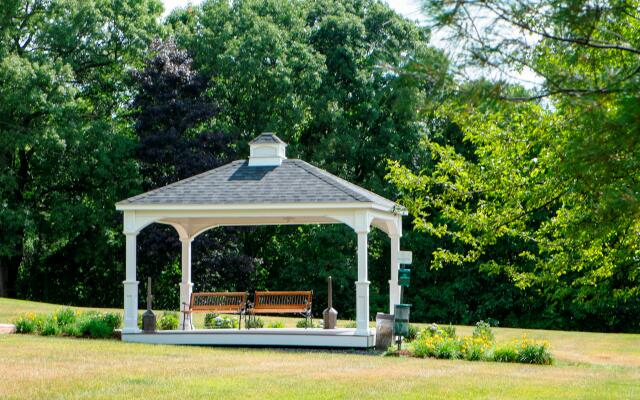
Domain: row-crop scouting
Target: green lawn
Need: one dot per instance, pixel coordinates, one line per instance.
(589, 366)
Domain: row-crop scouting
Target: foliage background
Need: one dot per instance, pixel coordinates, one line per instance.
(101, 100)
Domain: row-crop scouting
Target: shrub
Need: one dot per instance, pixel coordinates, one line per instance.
(68, 322)
(306, 323)
(476, 349)
(94, 324)
(254, 323)
(114, 320)
(483, 330)
(168, 321)
(413, 332)
(25, 323)
(450, 331)
(276, 324)
(524, 351)
(50, 327)
(72, 330)
(65, 316)
(433, 343)
(505, 353)
(434, 329)
(443, 343)
(215, 321)
(533, 352)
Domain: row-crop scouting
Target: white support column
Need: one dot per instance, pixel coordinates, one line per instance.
(394, 289)
(130, 286)
(186, 286)
(362, 285)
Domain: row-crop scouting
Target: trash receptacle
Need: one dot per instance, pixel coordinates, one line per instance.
(401, 319)
(384, 331)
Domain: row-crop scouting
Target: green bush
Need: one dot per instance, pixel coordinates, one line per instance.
(65, 316)
(433, 329)
(533, 352)
(168, 321)
(443, 343)
(216, 321)
(524, 351)
(72, 330)
(450, 331)
(25, 323)
(351, 324)
(483, 330)
(412, 333)
(93, 324)
(276, 324)
(476, 349)
(254, 323)
(114, 320)
(306, 323)
(447, 348)
(505, 353)
(50, 327)
(70, 323)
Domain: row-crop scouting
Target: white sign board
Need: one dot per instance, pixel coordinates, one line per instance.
(405, 257)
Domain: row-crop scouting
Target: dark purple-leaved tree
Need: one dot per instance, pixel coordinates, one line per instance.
(172, 114)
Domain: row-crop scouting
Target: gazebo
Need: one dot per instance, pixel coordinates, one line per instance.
(266, 189)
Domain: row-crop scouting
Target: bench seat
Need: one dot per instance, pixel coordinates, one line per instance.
(216, 302)
(291, 302)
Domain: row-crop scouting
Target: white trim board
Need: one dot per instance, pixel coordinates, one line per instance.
(343, 338)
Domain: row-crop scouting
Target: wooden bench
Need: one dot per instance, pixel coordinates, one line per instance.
(216, 302)
(282, 303)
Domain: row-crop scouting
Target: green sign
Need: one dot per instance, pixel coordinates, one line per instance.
(404, 276)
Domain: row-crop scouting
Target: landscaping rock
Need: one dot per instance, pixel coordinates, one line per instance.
(7, 328)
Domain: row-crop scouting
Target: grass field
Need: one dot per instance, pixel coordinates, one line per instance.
(588, 366)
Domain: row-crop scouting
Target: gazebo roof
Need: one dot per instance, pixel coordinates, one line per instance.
(291, 182)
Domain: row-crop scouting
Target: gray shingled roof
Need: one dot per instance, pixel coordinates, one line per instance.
(294, 181)
(267, 137)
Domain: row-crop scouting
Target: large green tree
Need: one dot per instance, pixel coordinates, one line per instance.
(325, 76)
(550, 198)
(172, 114)
(65, 156)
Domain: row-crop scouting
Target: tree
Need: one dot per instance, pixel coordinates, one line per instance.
(551, 198)
(65, 158)
(172, 120)
(325, 76)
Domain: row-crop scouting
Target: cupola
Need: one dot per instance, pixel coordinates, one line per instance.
(267, 150)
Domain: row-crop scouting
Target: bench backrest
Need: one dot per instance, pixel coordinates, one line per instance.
(230, 302)
(283, 301)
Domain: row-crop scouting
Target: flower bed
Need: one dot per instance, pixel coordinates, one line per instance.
(444, 343)
(67, 322)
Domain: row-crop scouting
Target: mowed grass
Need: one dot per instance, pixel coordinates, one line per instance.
(588, 366)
